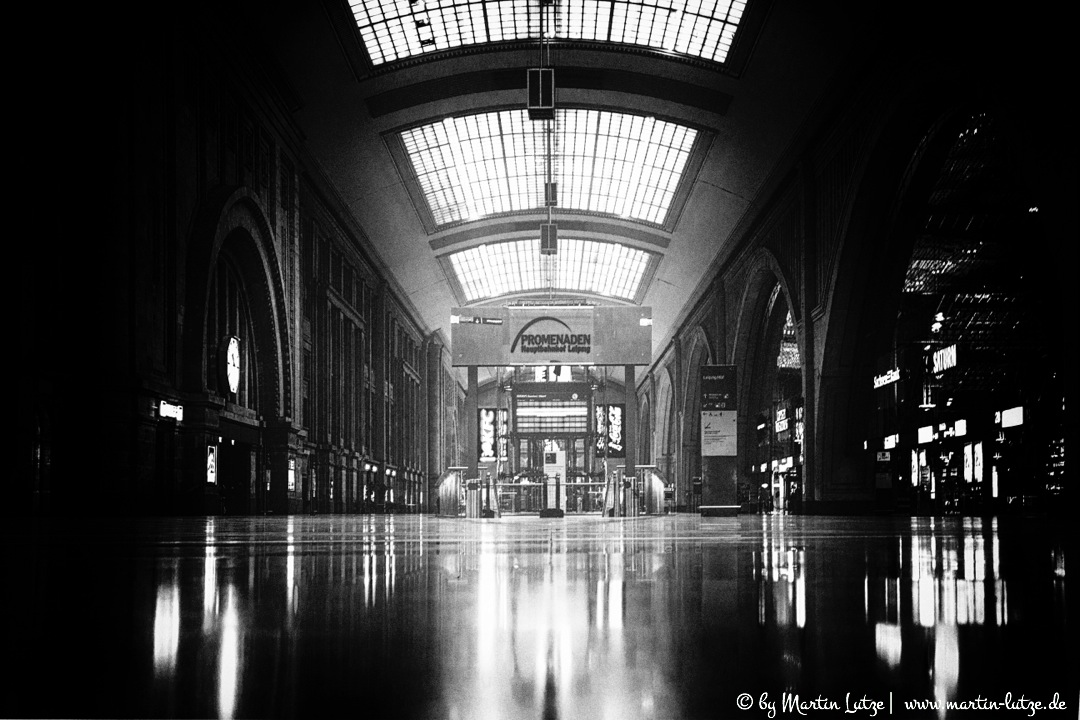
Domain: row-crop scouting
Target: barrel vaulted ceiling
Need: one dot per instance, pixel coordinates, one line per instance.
(671, 117)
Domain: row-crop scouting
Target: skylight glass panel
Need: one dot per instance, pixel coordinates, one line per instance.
(581, 266)
(397, 29)
(480, 165)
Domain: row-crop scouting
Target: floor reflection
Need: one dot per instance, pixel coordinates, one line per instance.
(585, 617)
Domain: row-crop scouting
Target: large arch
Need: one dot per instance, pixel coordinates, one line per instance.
(233, 219)
(664, 435)
(232, 224)
(907, 147)
(697, 352)
(863, 290)
(644, 438)
(757, 337)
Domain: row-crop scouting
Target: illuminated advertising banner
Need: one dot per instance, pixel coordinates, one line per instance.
(610, 441)
(543, 335)
(211, 464)
(491, 432)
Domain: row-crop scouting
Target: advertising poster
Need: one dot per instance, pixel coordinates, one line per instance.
(610, 440)
(211, 464)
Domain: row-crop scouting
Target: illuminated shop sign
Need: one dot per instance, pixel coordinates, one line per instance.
(890, 441)
(926, 434)
(1012, 417)
(609, 427)
(944, 359)
(886, 378)
(292, 475)
(781, 424)
(168, 410)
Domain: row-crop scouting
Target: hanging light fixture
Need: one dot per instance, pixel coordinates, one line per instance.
(541, 107)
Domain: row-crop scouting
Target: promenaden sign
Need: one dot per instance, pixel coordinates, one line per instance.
(551, 334)
(532, 339)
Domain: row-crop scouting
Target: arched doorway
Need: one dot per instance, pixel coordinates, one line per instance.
(774, 458)
(967, 413)
(240, 445)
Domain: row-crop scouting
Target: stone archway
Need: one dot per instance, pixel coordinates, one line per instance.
(937, 195)
(664, 435)
(698, 353)
(767, 300)
(233, 225)
(864, 291)
(644, 443)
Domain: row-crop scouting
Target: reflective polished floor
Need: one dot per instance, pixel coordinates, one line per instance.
(519, 617)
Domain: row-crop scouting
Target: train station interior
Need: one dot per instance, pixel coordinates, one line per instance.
(543, 358)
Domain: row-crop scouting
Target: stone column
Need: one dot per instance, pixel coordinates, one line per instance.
(472, 405)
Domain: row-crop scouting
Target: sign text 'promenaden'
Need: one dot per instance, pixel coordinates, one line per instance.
(556, 342)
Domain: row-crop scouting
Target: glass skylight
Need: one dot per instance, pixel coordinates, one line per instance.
(516, 266)
(480, 165)
(397, 29)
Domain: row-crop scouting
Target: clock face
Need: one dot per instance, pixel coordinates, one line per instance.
(232, 364)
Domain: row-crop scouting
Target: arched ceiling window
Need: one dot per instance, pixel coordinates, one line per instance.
(581, 266)
(397, 29)
(476, 166)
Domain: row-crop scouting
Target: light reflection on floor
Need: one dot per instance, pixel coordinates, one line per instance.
(584, 617)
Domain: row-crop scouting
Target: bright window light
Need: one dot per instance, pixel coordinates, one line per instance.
(581, 266)
(394, 30)
(618, 164)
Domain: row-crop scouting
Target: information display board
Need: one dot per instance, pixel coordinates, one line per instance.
(719, 419)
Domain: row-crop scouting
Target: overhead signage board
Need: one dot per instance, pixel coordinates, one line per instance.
(719, 419)
(551, 335)
(718, 387)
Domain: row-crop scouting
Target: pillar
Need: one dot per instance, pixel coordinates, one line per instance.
(472, 406)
